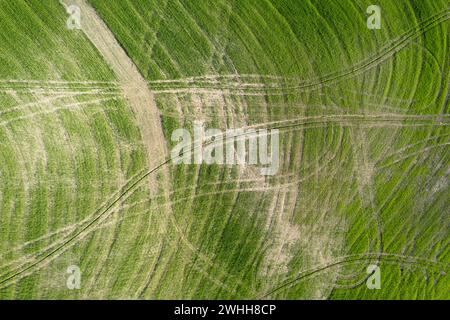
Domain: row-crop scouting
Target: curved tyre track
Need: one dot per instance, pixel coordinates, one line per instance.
(138, 96)
(388, 51)
(40, 258)
(353, 259)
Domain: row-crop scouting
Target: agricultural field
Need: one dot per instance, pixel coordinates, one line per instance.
(87, 118)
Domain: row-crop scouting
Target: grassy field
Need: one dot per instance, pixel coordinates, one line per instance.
(68, 142)
(364, 149)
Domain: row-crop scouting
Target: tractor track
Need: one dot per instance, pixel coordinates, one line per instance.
(136, 181)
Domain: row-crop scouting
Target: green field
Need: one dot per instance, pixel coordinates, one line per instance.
(364, 151)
